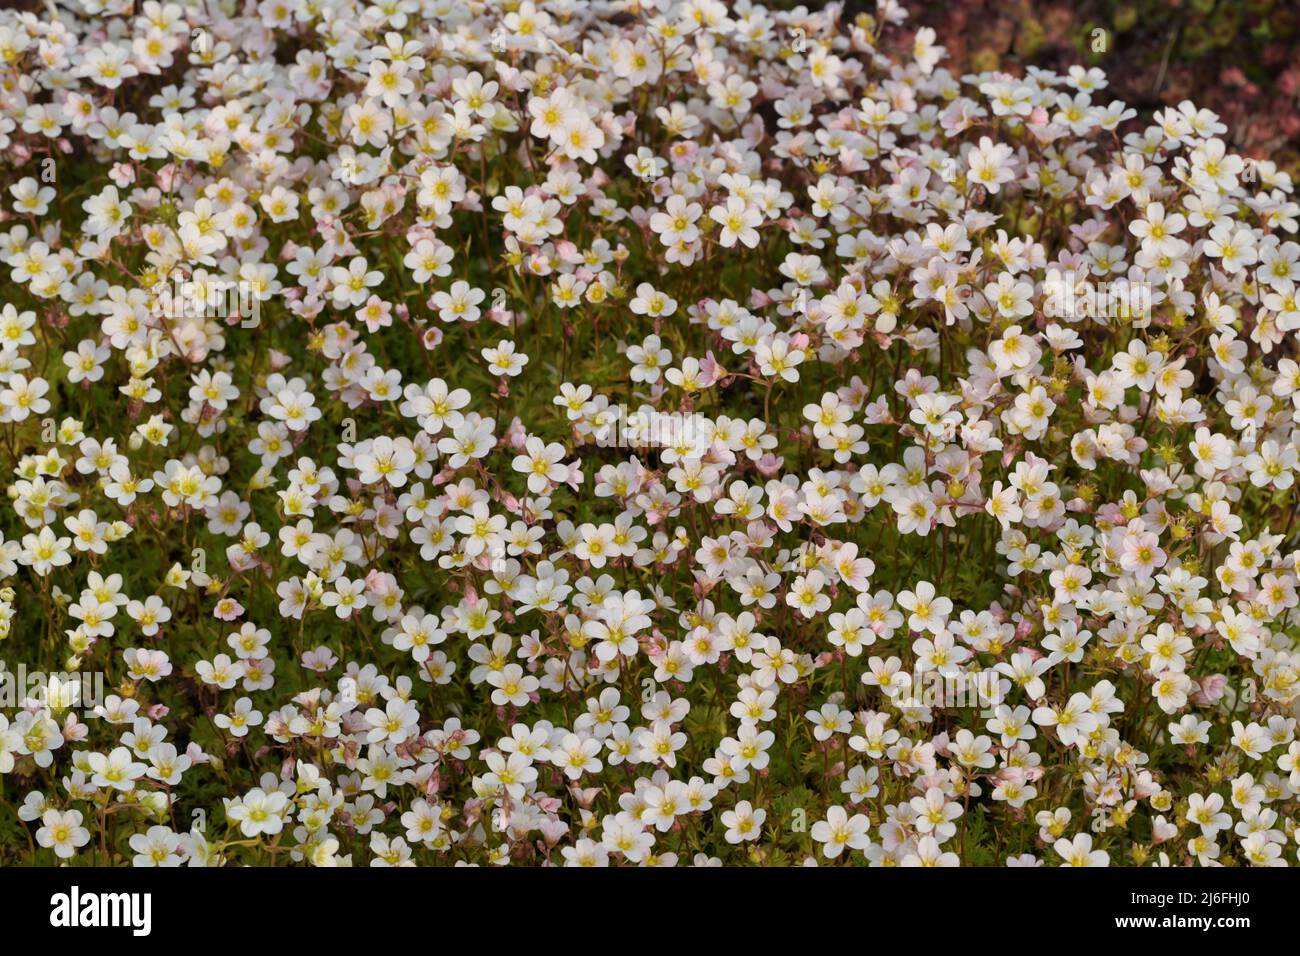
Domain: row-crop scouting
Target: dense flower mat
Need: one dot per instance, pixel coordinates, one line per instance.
(451, 432)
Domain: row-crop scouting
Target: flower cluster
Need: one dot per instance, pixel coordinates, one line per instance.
(633, 433)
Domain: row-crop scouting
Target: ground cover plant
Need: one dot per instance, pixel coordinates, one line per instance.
(615, 433)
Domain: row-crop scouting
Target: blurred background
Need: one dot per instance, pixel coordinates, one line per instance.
(1239, 58)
